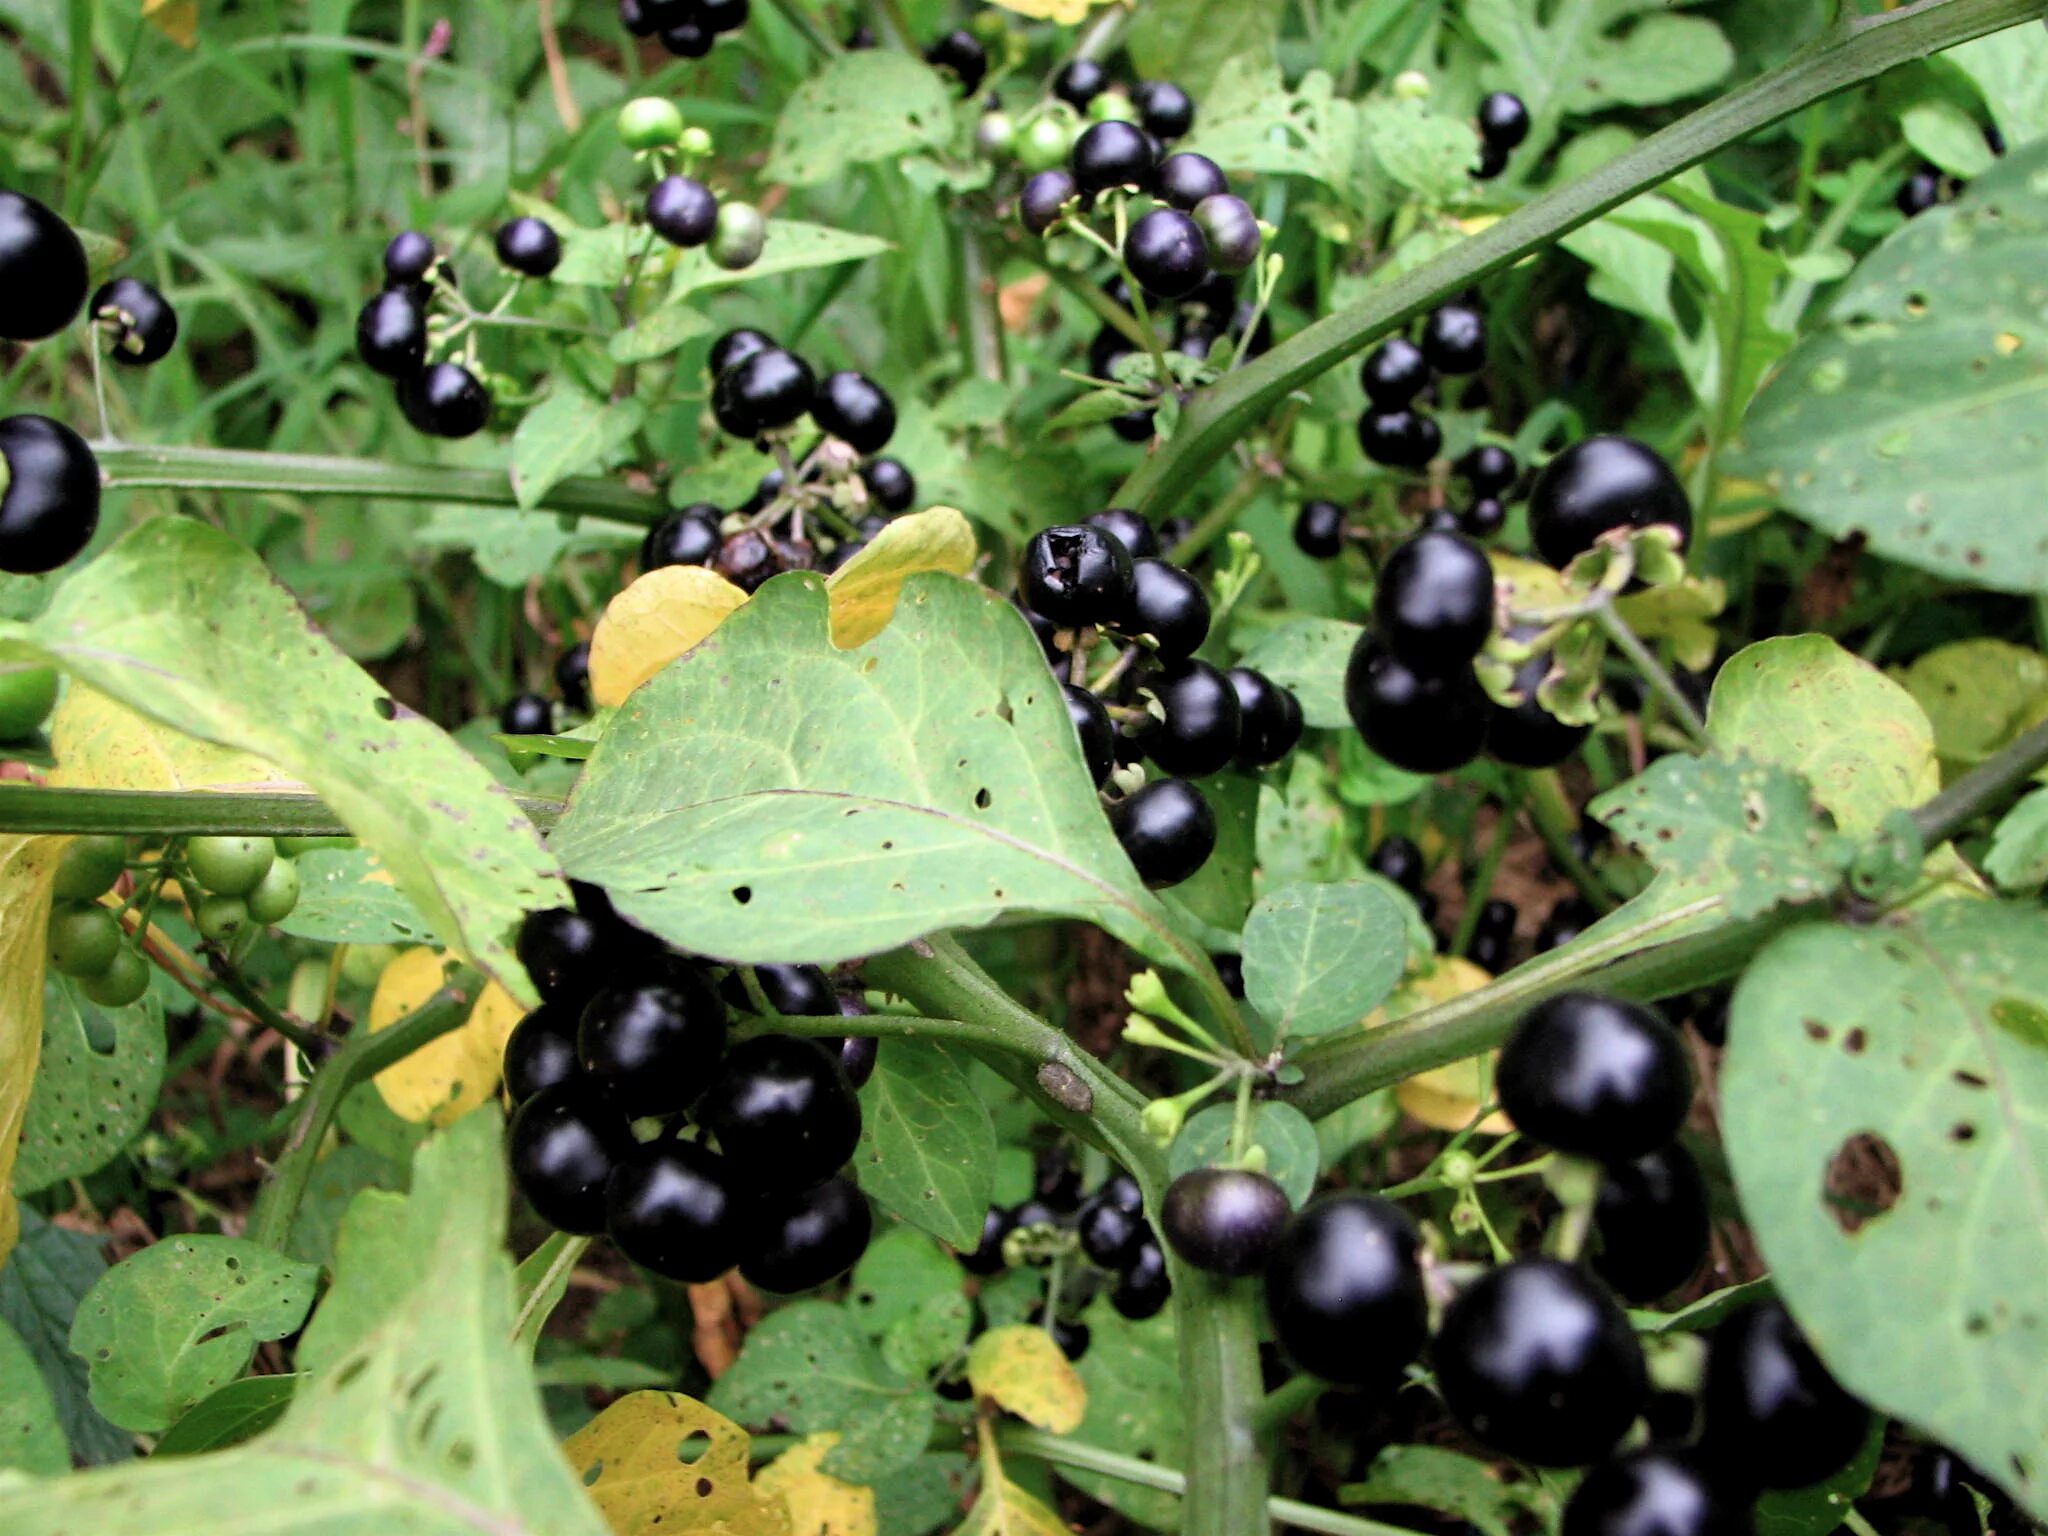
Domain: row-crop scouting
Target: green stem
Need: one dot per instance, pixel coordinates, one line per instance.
(1653, 671)
(1857, 49)
(1228, 1476)
(362, 1058)
(132, 466)
(237, 986)
(185, 813)
(1550, 808)
(1480, 886)
(793, 13)
(984, 320)
(1286, 1400)
(1985, 788)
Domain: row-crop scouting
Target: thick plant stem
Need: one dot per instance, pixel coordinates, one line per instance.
(130, 466)
(1984, 788)
(984, 321)
(1228, 1473)
(1855, 50)
(186, 813)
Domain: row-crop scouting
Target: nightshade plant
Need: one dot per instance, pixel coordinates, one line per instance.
(1184, 767)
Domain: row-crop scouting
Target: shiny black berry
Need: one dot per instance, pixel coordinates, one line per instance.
(1079, 82)
(1528, 735)
(1598, 485)
(962, 54)
(651, 1044)
(1345, 1293)
(811, 1238)
(1230, 230)
(1657, 1491)
(1129, 529)
(795, 991)
(1044, 197)
(1076, 576)
(684, 212)
(1271, 719)
(857, 1057)
(1185, 179)
(143, 326)
(540, 1052)
(766, 389)
(1111, 1235)
(1775, 1418)
(1092, 725)
(1164, 109)
(1434, 603)
(564, 1144)
(1537, 1361)
(723, 16)
(1202, 722)
(856, 410)
(1394, 373)
(1113, 154)
(1595, 1076)
(529, 247)
(1319, 529)
(892, 486)
(568, 954)
(1454, 339)
(1503, 120)
(1167, 830)
(42, 270)
(407, 258)
(1169, 605)
(1143, 1289)
(1489, 469)
(1399, 860)
(445, 400)
(1483, 519)
(987, 1257)
(526, 714)
(1227, 1221)
(572, 676)
(1922, 189)
(783, 1110)
(51, 505)
(391, 334)
(1134, 426)
(682, 1211)
(688, 537)
(1572, 916)
(688, 39)
(735, 346)
(1400, 439)
(1651, 1217)
(1423, 723)
(1166, 252)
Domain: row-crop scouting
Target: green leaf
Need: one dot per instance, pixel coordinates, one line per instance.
(1320, 957)
(849, 801)
(2018, 858)
(1450, 1482)
(1136, 1407)
(1577, 56)
(919, 1498)
(1978, 695)
(1191, 42)
(1251, 121)
(1091, 410)
(1941, 131)
(430, 1423)
(239, 1411)
(927, 1147)
(1217, 896)
(792, 246)
(345, 1172)
(1909, 418)
(657, 334)
(166, 1326)
(96, 1084)
(1424, 151)
(31, 1439)
(2010, 71)
(808, 1367)
(900, 1272)
(1930, 1035)
(1293, 1154)
(874, 104)
(339, 902)
(566, 434)
(1308, 656)
(1747, 829)
(179, 621)
(44, 1278)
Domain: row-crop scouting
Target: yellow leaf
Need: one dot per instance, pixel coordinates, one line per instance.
(657, 1463)
(28, 865)
(442, 1081)
(1066, 12)
(863, 591)
(652, 622)
(102, 744)
(1445, 1098)
(176, 19)
(1021, 1370)
(1004, 1509)
(1679, 613)
(819, 1504)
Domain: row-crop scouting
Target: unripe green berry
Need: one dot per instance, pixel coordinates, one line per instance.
(121, 983)
(220, 918)
(1045, 144)
(27, 695)
(695, 141)
(275, 894)
(650, 122)
(1112, 106)
(738, 237)
(90, 867)
(230, 866)
(83, 940)
(995, 135)
(1412, 85)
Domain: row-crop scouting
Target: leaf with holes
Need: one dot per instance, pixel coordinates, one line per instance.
(769, 797)
(49, 1271)
(1137, 1406)
(900, 1271)
(1885, 1098)
(31, 1439)
(927, 1147)
(1320, 957)
(96, 1084)
(1911, 418)
(660, 1461)
(873, 104)
(177, 1321)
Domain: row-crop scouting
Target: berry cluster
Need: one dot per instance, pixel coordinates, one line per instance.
(632, 1037)
(441, 399)
(1104, 579)
(681, 209)
(686, 28)
(1394, 430)
(1503, 122)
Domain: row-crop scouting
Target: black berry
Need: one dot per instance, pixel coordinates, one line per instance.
(795, 991)
(1483, 519)
(407, 258)
(1651, 1217)
(572, 676)
(563, 1144)
(764, 390)
(1319, 529)
(1595, 1076)
(1489, 469)
(684, 212)
(1113, 154)
(1169, 605)
(651, 1044)
(1092, 725)
(1528, 735)
(688, 537)
(1079, 82)
(391, 334)
(987, 1258)
(1076, 576)
(1423, 723)
(892, 486)
(1167, 830)
(1231, 231)
(736, 346)
(856, 410)
(1394, 373)
(445, 400)
(1572, 916)
(678, 1209)
(688, 39)
(1454, 339)
(1228, 1221)
(1401, 439)
(723, 16)
(42, 270)
(144, 326)
(1271, 719)
(1109, 1234)
(812, 1238)
(1775, 1418)
(1434, 603)
(1598, 485)
(1503, 120)
(783, 1111)
(1658, 1491)
(961, 53)
(1185, 179)
(1166, 252)
(1165, 110)
(1043, 198)
(857, 1057)
(1128, 529)
(1921, 190)
(1399, 860)
(568, 954)
(1202, 722)
(1144, 1287)
(1345, 1293)
(52, 502)
(529, 247)
(526, 714)
(540, 1052)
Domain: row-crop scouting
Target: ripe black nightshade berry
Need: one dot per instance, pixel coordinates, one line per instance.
(1538, 1362)
(1393, 373)
(782, 1109)
(1134, 426)
(1454, 339)
(684, 212)
(1043, 197)
(1129, 529)
(723, 16)
(1402, 439)
(679, 1209)
(143, 324)
(564, 1144)
(1651, 1217)
(1110, 1235)
(857, 1057)
(1164, 109)
(1227, 1221)
(1595, 1076)
(1528, 735)
(856, 410)
(1231, 230)
(1775, 1418)
(526, 714)
(42, 270)
(1144, 1287)
(1076, 576)
(529, 247)
(651, 1043)
(688, 39)
(1503, 120)
(445, 400)
(1169, 605)
(540, 1052)
(1167, 831)
(1203, 722)
(812, 1238)
(1167, 253)
(735, 346)
(1598, 485)
(572, 676)
(1657, 1491)
(688, 537)
(1489, 469)
(1425, 724)
(1271, 719)
(1483, 519)
(892, 486)
(1921, 190)
(987, 1257)
(795, 991)
(762, 391)
(1319, 529)
(1185, 179)
(1092, 725)
(1079, 82)
(637, 17)
(51, 505)
(407, 258)
(1399, 860)
(1344, 1290)
(391, 334)
(962, 53)
(1113, 154)
(567, 953)
(1434, 604)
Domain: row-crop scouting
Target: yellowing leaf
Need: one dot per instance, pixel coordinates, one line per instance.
(657, 1463)
(651, 623)
(1004, 1509)
(1066, 12)
(27, 867)
(1445, 1098)
(819, 1504)
(444, 1080)
(102, 744)
(1023, 1371)
(863, 591)
(1679, 612)
(176, 19)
